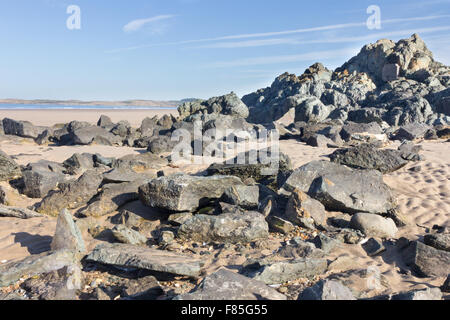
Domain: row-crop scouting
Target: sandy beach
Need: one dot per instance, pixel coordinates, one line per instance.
(423, 197)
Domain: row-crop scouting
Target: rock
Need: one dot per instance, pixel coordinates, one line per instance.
(374, 225)
(61, 284)
(9, 169)
(2, 132)
(71, 195)
(3, 196)
(353, 191)
(283, 271)
(280, 225)
(67, 235)
(300, 249)
(20, 213)
(178, 219)
(45, 137)
(264, 166)
(300, 207)
(105, 122)
(246, 197)
(309, 109)
(94, 134)
(367, 156)
(129, 256)
(38, 182)
(410, 151)
(303, 177)
(112, 197)
(34, 265)
(166, 237)
(390, 72)
(352, 129)
(438, 241)
(327, 290)
(411, 131)
(427, 294)
(181, 192)
(446, 286)
(349, 236)
(227, 105)
(79, 163)
(326, 243)
(127, 235)
(23, 129)
(373, 247)
(227, 285)
(140, 162)
(427, 261)
(230, 227)
(319, 140)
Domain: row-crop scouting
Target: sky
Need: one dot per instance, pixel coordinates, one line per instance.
(175, 49)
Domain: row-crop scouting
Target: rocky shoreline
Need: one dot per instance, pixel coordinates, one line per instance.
(142, 227)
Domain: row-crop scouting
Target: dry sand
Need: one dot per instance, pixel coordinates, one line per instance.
(423, 197)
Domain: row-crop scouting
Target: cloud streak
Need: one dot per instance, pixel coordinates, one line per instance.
(281, 33)
(138, 24)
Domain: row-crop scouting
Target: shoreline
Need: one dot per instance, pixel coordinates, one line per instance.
(50, 117)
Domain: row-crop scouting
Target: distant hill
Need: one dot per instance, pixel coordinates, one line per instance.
(130, 103)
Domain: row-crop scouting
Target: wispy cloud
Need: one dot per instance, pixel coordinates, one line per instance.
(281, 33)
(138, 24)
(309, 56)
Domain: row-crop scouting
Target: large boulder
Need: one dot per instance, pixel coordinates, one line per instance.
(42, 177)
(301, 209)
(67, 235)
(182, 192)
(340, 188)
(327, 290)
(427, 261)
(374, 225)
(230, 227)
(309, 109)
(229, 104)
(9, 169)
(367, 156)
(71, 195)
(227, 285)
(23, 129)
(94, 134)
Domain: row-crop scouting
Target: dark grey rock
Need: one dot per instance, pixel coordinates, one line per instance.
(352, 128)
(227, 285)
(438, 241)
(231, 227)
(130, 256)
(181, 192)
(119, 175)
(367, 156)
(23, 129)
(140, 162)
(67, 235)
(71, 195)
(427, 261)
(411, 131)
(301, 208)
(79, 163)
(20, 213)
(373, 247)
(9, 169)
(446, 286)
(326, 243)
(35, 265)
(374, 225)
(327, 290)
(38, 182)
(246, 197)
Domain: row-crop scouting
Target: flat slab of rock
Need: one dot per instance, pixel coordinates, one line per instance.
(439, 241)
(20, 213)
(35, 265)
(130, 256)
(367, 156)
(233, 227)
(227, 285)
(427, 261)
(283, 271)
(182, 192)
(127, 235)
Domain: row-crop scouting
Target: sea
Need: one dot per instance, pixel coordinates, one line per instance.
(6, 106)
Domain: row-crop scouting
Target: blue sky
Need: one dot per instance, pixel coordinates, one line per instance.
(174, 49)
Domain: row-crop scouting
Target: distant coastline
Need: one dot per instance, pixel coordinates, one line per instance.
(78, 104)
